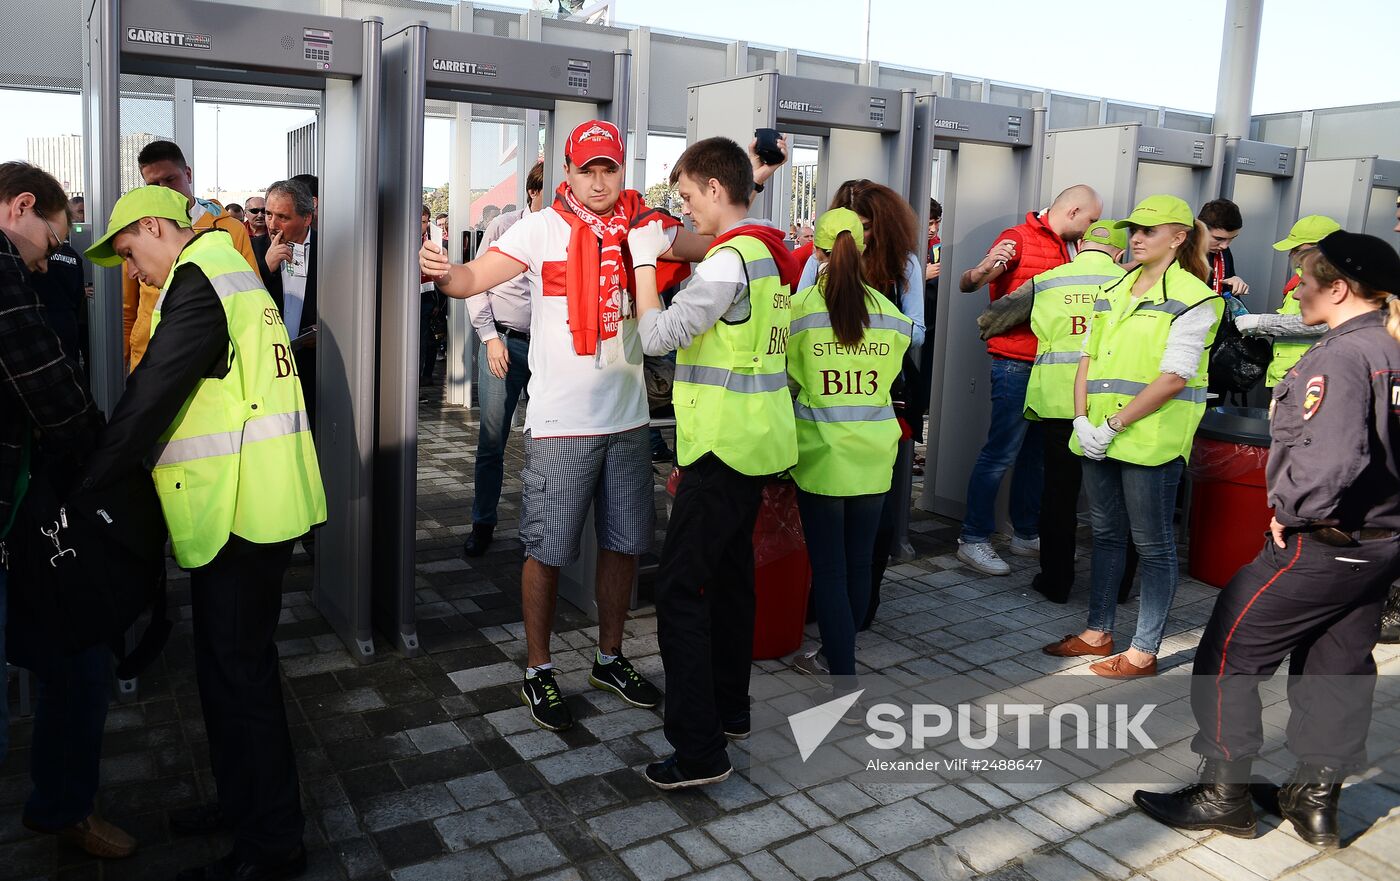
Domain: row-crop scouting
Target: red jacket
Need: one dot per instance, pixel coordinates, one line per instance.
(1038, 248)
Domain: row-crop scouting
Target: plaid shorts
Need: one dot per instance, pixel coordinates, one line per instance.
(566, 476)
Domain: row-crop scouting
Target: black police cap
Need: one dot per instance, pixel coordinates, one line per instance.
(1364, 258)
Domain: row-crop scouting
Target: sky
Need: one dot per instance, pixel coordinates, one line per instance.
(1149, 53)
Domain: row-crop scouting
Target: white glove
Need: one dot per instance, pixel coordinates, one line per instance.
(1084, 430)
(1099, 439)
(1247, 323)
(647, 244)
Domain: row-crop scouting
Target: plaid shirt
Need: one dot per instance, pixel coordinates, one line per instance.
(39, 388)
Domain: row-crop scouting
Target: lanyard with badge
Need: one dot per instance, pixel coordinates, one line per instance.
(296, 266)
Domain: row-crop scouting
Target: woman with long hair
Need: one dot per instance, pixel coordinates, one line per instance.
(1314, 594)
(1139, 395)
(845, 346)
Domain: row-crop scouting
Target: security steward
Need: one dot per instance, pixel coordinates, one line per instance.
(216, 412)
(1291, 336)
(1314, 594)
(1059, 304)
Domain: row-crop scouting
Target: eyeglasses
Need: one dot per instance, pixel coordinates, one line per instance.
(58, 243)
(255, 210)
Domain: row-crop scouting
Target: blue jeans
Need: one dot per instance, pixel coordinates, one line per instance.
(1126, 498)
(496, 398)
(1011, 439)
(840, 534)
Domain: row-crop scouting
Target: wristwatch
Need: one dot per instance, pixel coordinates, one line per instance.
(757, 187)
(1115, 423)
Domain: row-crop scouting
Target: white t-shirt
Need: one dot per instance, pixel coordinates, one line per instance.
(572, 395)
(294, 273)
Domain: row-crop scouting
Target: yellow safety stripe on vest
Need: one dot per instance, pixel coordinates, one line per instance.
(226, 443)
(744, 383)
(228, 284)
(842, 413)
(1128, 387)
(1082, 280)
(1059, 357)
(878, 321)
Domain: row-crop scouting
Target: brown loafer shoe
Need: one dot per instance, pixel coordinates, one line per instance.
(1121, 668)
(1073, 647)
(94, 836)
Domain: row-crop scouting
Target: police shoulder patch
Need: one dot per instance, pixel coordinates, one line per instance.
(1312, 396)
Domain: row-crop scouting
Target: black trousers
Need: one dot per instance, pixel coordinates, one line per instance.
(705, 607)
(236, 600)
(1318, 605)
(884, 547)
(1059, 515)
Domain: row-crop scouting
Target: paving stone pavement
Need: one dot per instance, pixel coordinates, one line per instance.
(428, 768)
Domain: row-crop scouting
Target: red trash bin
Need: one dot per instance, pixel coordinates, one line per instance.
(782, 572)
(1230, 510)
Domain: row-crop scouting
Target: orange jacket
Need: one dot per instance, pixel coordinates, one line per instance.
(139, 300)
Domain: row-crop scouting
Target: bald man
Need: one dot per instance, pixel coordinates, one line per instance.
(1044, 241)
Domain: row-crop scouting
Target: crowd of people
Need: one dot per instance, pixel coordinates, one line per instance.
(806, 355)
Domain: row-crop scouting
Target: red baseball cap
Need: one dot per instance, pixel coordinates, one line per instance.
(595, 139)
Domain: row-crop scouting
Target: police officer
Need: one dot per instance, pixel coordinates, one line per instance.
(1314, 593)
(217, 406)
(846, 347)
(1292, 337)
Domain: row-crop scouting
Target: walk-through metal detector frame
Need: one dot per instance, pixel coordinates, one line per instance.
(850, 122)
(992, 179)
(1359, 193)
(573, 85)
(1127, 162)
(1266, 182)
(340, 58)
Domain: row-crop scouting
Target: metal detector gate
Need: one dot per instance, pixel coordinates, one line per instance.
(862, 131)
(1266, 182)
(1127, 163)
(992, 180)
(1358, 193)
(340, 58)
(573, 85)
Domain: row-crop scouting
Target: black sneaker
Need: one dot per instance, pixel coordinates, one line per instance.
(203, 819)
(547, 708)
(479, 539)
(668, 774)
(661, 454)
(737, 728)
(623, 680)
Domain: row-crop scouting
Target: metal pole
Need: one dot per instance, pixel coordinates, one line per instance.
(866, 57)
(101, 141)
(1234, 92)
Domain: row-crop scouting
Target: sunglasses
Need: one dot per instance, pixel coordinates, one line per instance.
(255, 210)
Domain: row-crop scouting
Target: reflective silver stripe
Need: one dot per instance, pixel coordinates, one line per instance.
(1102, 306)
(231, 283)
(226, 443)
(877, 322)
(744, 383)
(844, 413)
(1172, 307)
(1127, 387)
(1066, 280)
(764, 267)
(1058, 358)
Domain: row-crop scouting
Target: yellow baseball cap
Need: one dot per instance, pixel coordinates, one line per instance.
(1308, 230)
(1157, 210)
(140, 202)
(833, 223)
(1107, 232)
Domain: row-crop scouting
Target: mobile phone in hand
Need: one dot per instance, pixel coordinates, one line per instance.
(767, 148)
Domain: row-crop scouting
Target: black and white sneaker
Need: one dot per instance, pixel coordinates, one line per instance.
(737, 728)
(547, 707)
(623, 680)
(668, 774)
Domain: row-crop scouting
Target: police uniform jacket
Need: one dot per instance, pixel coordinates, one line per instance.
(1336, 431)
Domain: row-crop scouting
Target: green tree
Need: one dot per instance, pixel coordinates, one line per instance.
(664, 196)
(437, 201)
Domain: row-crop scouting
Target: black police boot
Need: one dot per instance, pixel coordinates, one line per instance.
(1309, 801)
(1220, 801)
(1390, 618)
(478, 540)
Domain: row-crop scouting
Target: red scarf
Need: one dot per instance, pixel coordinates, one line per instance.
(599, 263)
